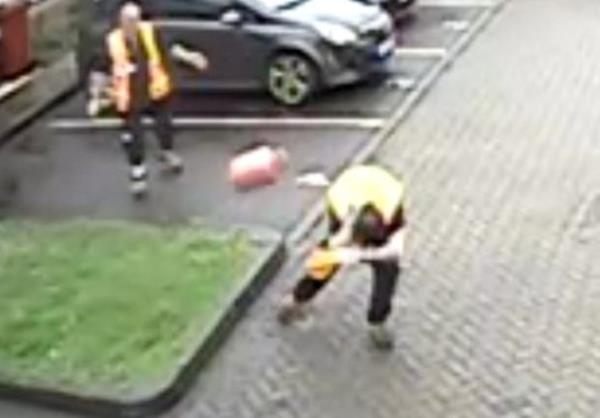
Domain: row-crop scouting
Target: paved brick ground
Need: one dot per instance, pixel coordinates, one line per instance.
(497, 313)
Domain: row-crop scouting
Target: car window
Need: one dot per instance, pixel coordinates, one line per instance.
(189, 8)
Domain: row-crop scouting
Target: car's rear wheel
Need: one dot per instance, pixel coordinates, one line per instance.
(292, 78)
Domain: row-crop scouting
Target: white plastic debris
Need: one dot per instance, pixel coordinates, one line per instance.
(313, 180)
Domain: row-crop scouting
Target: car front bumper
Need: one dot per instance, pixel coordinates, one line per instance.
(355, 63)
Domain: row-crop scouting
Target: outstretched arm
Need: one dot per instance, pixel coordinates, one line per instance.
(393, 249)
(185, 55)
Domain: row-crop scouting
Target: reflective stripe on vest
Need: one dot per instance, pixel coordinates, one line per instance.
(122, 67)
(362, 185)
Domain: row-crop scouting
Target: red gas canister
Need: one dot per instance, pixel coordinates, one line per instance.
(258, 167)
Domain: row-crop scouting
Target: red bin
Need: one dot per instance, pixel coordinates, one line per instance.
(15, 47)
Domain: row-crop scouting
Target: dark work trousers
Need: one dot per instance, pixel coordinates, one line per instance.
(133, 137)
(385, 278)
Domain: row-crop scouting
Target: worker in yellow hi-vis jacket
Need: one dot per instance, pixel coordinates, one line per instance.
(365, 208)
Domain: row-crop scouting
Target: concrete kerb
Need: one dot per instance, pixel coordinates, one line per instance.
(55, 95)
(47, 18)
(155, 400)
(315, 214)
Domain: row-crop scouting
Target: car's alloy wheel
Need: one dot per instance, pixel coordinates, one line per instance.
(291, 79)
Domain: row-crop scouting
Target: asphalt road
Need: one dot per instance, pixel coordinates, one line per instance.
(65, 173)
(56, 173)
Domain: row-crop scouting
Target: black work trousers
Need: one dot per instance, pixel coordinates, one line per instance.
(133, 137)
(385, 278)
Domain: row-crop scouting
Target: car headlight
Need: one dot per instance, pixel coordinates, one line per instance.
(335, 34)
(383, 23)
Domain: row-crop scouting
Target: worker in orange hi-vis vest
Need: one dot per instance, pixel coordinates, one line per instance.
(365, 207)
(140, 83)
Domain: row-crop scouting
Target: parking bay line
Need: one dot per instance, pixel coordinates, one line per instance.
(456, 25)
(226, 122)
(458, 3)
(420, 52)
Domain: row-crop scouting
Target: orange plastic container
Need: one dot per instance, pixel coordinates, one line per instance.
(322, 263)
(15, 45)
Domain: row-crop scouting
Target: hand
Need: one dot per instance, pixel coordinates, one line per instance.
(93, 108)
(199, 61)
(194, 58)
(98, 93)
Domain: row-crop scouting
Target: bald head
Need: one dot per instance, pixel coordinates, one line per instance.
(129, 17)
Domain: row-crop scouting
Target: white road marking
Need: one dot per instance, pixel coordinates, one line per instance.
(457, 25)
(6, 89)
(458, 3)
(226, 122)
(420, 52)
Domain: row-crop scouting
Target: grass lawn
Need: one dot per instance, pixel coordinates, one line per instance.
(108, 306)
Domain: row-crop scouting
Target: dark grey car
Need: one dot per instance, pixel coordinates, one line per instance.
(292, 48)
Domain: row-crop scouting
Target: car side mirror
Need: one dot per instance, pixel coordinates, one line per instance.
(232, 17)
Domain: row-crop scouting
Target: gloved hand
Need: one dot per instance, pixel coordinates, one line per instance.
(98, 92)
(199, 61)
(187, 56)
(93, 108)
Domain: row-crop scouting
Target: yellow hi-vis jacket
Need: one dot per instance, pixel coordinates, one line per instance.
(160, 85)
(362, 185)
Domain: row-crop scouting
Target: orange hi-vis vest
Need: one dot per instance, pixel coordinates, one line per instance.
(160, 84)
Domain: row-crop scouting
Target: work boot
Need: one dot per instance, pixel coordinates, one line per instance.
(171, 161)
(138, 181)
(381, 337)
(291, 311)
